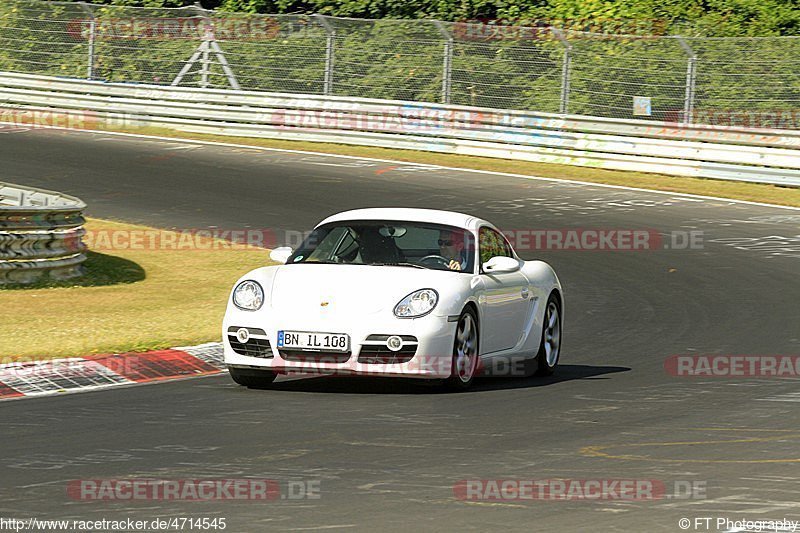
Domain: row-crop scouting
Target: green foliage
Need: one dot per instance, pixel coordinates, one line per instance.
(689, 17)
(404, 59)
(697, 17)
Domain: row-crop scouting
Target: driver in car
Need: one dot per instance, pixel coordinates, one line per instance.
(452, 247)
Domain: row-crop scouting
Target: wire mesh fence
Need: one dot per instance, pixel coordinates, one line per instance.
(730, 81)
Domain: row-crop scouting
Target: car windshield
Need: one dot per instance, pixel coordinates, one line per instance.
(374, 242)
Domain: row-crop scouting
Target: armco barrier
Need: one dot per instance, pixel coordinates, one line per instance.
(730, 153)
(40, 235)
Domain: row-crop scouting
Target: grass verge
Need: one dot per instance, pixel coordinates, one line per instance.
(129, 300)
(754, 192)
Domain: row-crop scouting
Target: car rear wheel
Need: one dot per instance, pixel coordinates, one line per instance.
(252, 378)
(465, 352)
(550, 345)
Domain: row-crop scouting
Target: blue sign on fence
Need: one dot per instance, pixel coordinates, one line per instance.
(641, 106)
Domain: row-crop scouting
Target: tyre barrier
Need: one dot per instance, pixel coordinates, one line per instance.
(40, 235)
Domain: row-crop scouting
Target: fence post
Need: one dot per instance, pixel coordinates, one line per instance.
(447, 62)
(204, 67)
(92, 33)
(691, 78)
(566, 65)
(208, 37)
(330, 53)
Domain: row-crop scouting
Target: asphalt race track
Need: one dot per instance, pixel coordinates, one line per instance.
(387, 454)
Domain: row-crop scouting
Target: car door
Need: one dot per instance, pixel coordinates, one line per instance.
(503, 298)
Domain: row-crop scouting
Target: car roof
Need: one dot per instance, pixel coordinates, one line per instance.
(434, 216)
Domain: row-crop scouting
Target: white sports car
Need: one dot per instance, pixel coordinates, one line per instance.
(396, 292)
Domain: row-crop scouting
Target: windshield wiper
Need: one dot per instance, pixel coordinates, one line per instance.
(326, 262)
(401, 264)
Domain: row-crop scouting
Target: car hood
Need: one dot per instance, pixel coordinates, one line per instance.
(352, 289)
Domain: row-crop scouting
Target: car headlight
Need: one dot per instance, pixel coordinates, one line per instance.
(248, 295)
(418, 303)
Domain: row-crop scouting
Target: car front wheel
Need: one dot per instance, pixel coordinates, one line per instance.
(465, 352)
(550, 345)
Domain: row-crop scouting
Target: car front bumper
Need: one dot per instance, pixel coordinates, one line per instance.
(432, 358)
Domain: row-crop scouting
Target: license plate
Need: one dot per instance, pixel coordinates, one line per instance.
(314, 341)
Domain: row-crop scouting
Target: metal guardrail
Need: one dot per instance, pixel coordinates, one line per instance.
(757, 155)
(40, 235)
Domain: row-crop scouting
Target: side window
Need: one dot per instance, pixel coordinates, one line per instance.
(507, 251)
(492, 244)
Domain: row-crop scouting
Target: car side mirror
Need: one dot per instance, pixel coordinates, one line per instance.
(499, 264)
(281, 254)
